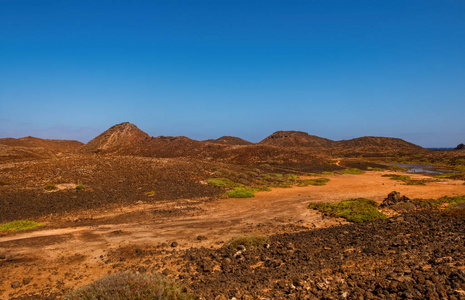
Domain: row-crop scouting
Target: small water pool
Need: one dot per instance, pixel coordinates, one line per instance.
(416, 168)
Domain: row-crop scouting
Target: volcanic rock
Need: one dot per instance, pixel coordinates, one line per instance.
(460, 147)
(394, 198)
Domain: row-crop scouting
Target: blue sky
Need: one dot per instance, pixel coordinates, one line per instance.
(203, 69)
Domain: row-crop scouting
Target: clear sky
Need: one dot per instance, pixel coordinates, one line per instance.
(337, 69)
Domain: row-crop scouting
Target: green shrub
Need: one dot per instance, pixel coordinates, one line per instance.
(50, 187)
(150, 193)
(397, 177)
(353, 171)
(224, 183)
(354, 210)
(327, 173)
(240, 193)
(79, 187)
(19, 225)
(439, 201)
(121, 286)
(316, 181)
(247, 241)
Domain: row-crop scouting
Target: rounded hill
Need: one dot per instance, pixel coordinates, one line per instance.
(295, 139)
(229, 140)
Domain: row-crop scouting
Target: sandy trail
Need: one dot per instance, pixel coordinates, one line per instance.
(57, 258)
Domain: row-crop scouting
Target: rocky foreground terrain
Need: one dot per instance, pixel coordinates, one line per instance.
(411, 256)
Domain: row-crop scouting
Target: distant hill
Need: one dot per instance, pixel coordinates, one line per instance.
(295, 139)
(460, 147)
(127, 139)
(117, 137)
(32, 147)
(377, 143)
(229, 140)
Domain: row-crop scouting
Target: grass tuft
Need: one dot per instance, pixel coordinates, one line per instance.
(131, 286)
(354, 210)
(19, 225)
(79, 187)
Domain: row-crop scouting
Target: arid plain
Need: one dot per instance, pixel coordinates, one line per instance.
(128, 202)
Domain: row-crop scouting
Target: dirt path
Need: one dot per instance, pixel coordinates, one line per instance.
(72, 254)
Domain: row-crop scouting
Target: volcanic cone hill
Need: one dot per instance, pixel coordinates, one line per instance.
(460, 147)
(32, 147)
(229, 140)
(295, 139)
(116, 138)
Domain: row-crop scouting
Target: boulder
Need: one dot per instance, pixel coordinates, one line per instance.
(394, 198)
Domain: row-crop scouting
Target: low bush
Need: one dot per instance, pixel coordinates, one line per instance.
(439, 201)
(224, 183)
(247, 241)
(316, 181)
(79, 187)
(50, 187)
(240, 193)
(19, 225)
(397, 177)
(121, 286)
(415, 182)
(353, 171)
(353, 210)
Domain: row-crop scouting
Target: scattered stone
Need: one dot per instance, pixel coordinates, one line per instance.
(443, 260)
(201, 237)
(174, 244)
(27, 280)
(15, 284)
